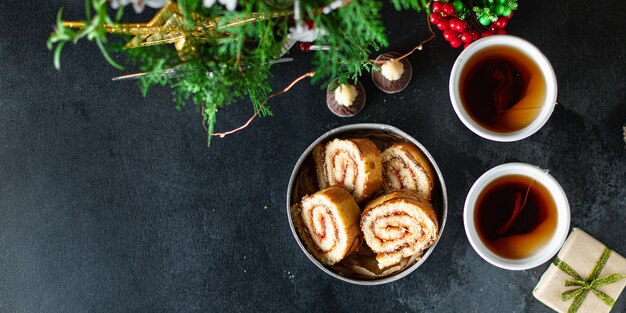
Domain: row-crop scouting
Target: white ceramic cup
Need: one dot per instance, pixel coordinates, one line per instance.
(534, 54)
(544, 253)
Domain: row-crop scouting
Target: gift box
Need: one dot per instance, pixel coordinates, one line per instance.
(586, 276)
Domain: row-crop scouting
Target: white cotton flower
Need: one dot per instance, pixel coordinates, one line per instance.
(155, 4)
(303, 34)
(115, 4)
(138, 5)
(208, 3)
(229, 4)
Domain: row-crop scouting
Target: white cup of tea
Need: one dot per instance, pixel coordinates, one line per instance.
(523, 239)
(503, 88)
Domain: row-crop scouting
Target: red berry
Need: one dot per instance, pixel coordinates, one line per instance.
(466, 37)
(305, 46)
(437, 6)
(461, 26)
(454, 23)
(487, 33)
(455, 43)
(443, 24)
(308, 24)
(435, 18)
(474, 35)
(510, 16)
(447, 9)
(501, 22)
(450, 34)
(492, 27)
(500, 32)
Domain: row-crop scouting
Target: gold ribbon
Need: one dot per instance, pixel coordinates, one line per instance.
(589, 284)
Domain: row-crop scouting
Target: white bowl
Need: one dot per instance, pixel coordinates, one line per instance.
(531, 51)
(563, 216)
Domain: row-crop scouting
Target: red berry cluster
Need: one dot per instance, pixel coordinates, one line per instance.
(458, 32)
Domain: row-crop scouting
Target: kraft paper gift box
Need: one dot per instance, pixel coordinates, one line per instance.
(566, 284)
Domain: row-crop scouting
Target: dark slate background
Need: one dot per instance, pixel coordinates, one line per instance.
(111, 202)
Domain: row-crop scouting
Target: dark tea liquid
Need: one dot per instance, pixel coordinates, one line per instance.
(519, 236)
(502, 89)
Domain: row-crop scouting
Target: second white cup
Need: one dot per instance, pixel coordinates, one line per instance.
(552, 245)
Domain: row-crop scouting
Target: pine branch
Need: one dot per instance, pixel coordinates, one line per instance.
(233, 60)
(93, 30)
(353, 33)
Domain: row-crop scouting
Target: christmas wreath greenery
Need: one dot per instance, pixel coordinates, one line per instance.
(216, 53)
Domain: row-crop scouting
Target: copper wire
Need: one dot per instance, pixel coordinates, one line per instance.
(416, 48)
(258, 111)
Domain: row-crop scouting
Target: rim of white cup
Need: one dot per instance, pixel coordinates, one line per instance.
(533, 53)
(563, 216)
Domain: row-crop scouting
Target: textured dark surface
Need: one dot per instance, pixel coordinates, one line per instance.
(111, 202)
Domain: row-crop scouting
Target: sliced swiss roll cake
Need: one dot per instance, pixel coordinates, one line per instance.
(328, 224)
(354, 164)
(406, 167)
(397, 225)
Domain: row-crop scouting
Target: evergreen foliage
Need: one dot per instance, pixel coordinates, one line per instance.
(234, 59)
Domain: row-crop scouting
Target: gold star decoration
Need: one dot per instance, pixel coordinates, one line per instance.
(168, 27)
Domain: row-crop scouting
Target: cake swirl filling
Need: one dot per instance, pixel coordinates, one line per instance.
(400, 174)
(403, 169)
(353, 164)
(395, 231)
(323, 228)
(343, 169)
(398, 225)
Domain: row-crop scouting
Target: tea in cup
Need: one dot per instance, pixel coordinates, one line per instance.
(503, 88)
(516, 216)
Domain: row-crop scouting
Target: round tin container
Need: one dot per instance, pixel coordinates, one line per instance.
(380, 132)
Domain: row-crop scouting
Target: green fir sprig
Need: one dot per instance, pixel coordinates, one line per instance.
(93, 31)
(354, 32)
(236, 61)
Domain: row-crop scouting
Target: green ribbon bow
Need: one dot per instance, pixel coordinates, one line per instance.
(590, 284)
